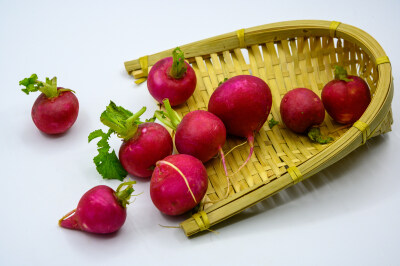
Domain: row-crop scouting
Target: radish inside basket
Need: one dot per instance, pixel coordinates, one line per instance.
(286, 55)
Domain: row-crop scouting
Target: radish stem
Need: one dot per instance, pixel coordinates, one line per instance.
(178, 68)
(171, 114)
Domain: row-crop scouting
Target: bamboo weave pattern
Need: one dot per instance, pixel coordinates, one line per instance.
(284, 64)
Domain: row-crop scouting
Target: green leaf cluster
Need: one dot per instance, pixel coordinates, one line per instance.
(272, 122)
(107, 163)
(315, 135)
(122, 121)
(48, 88)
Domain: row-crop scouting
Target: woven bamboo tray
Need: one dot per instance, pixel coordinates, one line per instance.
(286, 55)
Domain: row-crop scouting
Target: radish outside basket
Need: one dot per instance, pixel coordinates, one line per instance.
(286, 55)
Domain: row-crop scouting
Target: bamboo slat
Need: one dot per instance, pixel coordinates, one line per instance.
(286, 55)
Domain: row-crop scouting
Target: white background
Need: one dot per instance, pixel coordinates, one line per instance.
(346, 215)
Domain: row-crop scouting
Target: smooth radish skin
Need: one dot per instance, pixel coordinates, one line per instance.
(200, 133)
(243, 104)
(56, 109)
(172, 78)
(179, 182)
(143, 144)
(151, 143)
(301, 109)
(346, 97)
(101, 210)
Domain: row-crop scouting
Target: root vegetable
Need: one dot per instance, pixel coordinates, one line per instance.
(200, 133)
(178, 184)
(101, 210)
(143, 144)
(243, 104)
(346, 97)
(56, 109)
(172, 78)
(301, 109)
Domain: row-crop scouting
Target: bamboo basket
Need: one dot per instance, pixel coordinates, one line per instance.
(286, 55)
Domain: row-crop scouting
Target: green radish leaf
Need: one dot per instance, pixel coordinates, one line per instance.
(107, 163)
(225, 79)
(31, 84)
(315, 135)
(48, 88)
(151, 119)
(121, 120)
(272, 122)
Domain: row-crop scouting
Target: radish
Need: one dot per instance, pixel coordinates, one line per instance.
(101, 210)
(172, 78)
(301, 110)
(200, 133)
(243, 103)
(143, 144)
(178, 184)
(56, 109)
(346, 97)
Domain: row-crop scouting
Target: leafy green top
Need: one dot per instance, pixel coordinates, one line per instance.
(220, 83)
(48, 88)
(178, 68)
(107, 163)
(341, 74)
(272, 122)
(125, 195)
(123, 123)
(315, 135)
(170, 118)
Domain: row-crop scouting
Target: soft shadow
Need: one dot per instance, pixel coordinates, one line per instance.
(314, 183)
(90, 235)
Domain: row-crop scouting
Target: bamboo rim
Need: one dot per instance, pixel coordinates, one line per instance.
(377, 111)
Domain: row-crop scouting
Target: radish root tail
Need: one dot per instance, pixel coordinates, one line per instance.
(183, 176)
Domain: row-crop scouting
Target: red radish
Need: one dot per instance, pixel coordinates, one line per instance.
(178, 184)
(301, 109)
(151, 143)
(101, 210)
(172, 78)
(346, 97)
(243, 103)
(56, 109)
(200, 133)
(143, 144)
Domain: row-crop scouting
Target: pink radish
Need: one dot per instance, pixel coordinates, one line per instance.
(200, 133)
(101, 210)
(243, 103)
(178, 184)
(56, 109)
(143, 144)
(172, 78)
(346, 97)
(302, 110)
